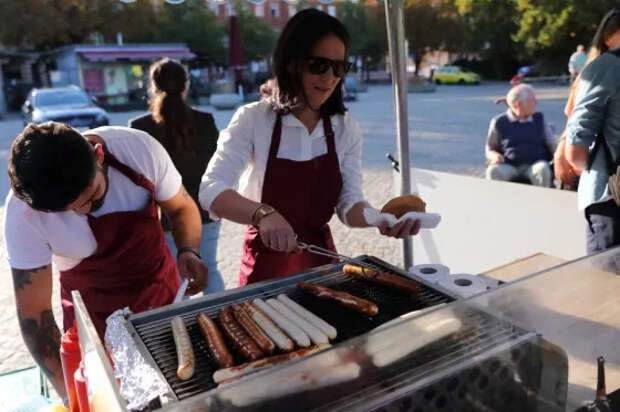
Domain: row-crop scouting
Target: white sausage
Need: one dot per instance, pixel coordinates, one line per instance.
(286, 325)
(185, 353)
(280, 338)
(315, 333)
(327, 329)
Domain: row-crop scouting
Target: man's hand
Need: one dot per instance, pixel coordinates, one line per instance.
(495, 158)
(33, 300)
(401, 230)
(276, 233)
(193, 268)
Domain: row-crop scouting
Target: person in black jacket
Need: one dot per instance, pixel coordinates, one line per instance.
(190, 137)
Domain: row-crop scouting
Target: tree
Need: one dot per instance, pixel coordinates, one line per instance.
(551, 29)
(191, 23)
(429, 26)
(491, 25)
(366, 41)
(257, 37)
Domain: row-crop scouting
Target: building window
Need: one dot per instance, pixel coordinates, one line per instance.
(229, 10)
(259, 10)
(274, 9)
(331, 10)
(292, 10)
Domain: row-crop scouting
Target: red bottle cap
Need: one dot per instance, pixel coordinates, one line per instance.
(70, 340)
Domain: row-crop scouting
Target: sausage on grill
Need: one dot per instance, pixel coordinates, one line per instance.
(327, 329)
(241, 341)
(383, 278)
(215, 341)
(342, 298)
(269, 327)
(294, 331)
(316, 335)
(252, 329)
(234, 372)
(185, 352)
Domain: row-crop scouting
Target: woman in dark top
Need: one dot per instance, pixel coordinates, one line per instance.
(190, 138)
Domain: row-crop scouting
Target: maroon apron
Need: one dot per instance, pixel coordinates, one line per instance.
(132, 265)
(306, 194)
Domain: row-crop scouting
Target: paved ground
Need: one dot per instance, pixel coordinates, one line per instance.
(449, 130)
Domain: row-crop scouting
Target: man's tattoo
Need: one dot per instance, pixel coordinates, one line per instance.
(42, 339)
(21, 277)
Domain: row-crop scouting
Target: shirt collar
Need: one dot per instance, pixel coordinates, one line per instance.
(512, 118)
(290, 120)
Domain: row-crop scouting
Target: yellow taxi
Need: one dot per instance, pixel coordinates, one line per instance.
(455, 75)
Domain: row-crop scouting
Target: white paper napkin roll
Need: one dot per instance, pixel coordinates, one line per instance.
(463, 284)
(432, 272)
(374, 217)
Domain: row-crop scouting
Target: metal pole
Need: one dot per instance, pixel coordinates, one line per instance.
(395, 20)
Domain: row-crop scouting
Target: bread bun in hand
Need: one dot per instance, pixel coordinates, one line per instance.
(404, 204)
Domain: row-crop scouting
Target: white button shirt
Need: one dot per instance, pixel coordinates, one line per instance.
(243, 150)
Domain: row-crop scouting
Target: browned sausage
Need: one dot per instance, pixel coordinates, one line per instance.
(345, 299)
(383, 278)
(215, 341)
(252, 329)
(241, 341)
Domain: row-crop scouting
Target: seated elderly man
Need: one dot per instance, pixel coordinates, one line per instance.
(520, 144)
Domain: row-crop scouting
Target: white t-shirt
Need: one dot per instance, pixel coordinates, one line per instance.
(243, 151)
(34, 239)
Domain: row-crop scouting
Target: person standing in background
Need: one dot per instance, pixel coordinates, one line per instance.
(190, 138)
(576, 62)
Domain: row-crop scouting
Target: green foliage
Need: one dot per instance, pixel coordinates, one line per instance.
(429, 26)
(193, 24)
(368, 40)
(257, 37)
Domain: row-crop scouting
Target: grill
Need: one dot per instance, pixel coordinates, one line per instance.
(485, 363)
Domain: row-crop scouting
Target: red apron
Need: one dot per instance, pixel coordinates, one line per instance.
(132, 265)
(306, 194)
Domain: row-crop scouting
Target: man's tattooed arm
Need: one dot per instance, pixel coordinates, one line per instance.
(33, 293)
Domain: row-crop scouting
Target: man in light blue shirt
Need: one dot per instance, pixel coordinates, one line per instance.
(597, 111)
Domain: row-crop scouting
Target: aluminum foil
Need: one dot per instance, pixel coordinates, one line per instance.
(140, 382)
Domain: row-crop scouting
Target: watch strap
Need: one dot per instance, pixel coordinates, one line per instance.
(184, 249)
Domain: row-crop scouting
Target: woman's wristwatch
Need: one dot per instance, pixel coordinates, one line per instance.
(261, 211)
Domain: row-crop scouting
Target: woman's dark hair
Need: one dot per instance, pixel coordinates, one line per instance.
(168, 81)
(608, 26)
(50, 165)
(302, 32)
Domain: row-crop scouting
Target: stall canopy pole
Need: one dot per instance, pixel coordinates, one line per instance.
(396, 36)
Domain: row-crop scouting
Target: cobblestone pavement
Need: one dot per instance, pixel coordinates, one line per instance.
(449, 129)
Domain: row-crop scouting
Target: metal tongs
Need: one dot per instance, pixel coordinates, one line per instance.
(325, 252)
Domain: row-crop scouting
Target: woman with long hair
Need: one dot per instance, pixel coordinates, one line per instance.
(190, 138)
(297, 155)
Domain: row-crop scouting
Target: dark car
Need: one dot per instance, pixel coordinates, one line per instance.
(70, 105)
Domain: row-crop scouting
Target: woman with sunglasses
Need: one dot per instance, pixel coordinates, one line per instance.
(596, 120)
(299, 153)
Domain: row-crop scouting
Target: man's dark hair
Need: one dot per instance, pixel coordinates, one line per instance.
(50, 165)
(302, 32)
(608, 26)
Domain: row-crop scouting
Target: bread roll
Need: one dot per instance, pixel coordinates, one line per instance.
(404, 204)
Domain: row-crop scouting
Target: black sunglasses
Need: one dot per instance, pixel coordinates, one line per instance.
(319, 65)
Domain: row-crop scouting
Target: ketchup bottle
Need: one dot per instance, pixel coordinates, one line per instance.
(70, 357)
(81, 390)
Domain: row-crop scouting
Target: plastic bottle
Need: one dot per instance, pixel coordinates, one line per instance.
(81, 390)
(70, 357)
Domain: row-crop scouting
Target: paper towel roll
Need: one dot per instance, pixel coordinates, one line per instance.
(463, 284)
(432, 272)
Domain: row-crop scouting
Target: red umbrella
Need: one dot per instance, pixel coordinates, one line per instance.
(235, 50)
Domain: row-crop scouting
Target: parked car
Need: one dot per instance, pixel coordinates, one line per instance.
(70, 105)
(454, 74)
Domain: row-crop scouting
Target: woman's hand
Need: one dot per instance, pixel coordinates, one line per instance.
(401, 230)
(277, 234)
(495, 158)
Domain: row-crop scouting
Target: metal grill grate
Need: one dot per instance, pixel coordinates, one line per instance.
(156, 334)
